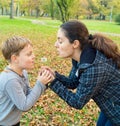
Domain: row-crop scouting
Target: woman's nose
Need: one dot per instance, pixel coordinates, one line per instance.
(33, 56)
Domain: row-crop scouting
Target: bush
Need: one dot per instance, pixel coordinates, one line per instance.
(117, 18)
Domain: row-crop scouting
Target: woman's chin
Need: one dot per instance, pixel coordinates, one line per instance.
(61, 56)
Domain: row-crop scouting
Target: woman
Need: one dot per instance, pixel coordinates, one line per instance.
(95, 72)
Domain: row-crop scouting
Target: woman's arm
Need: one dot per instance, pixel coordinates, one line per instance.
(88, 85)
(70, 82)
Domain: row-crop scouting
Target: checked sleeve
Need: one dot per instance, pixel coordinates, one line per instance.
(90, 82)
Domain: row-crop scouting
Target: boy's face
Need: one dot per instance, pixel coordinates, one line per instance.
(26, 58)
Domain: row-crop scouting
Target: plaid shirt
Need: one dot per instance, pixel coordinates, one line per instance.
(99, 81)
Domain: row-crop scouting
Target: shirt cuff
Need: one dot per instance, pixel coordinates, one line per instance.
(41, 85)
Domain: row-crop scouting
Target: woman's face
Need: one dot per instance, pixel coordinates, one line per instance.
(63, 45)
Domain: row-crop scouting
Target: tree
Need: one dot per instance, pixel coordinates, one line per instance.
(11, 9)
(4, 7)
(64, 8)
(52, 9)
(117, 18)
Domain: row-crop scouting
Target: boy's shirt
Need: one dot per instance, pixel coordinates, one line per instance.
(16, 96)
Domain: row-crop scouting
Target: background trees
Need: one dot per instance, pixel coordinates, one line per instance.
(62, 9)
(11, 8)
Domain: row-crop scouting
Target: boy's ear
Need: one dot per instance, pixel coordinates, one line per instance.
(76, 44)
(14, 58)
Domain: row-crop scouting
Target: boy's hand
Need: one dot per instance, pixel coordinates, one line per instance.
(45, 76)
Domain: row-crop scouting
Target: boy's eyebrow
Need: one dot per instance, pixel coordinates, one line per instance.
(58, 38)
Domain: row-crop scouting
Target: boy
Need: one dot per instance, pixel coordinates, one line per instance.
(15, 94)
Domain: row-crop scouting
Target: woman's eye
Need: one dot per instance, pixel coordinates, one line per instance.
(29, 54)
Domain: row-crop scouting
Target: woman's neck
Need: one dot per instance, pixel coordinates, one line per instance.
(76, 56)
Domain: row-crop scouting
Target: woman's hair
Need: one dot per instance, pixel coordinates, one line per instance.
(76, 30)
(14, 45)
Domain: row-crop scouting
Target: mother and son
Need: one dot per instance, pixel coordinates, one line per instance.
(95, 74)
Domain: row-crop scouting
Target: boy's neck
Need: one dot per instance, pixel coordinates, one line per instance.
(16, 69)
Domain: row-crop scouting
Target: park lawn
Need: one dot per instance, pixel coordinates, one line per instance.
(50, 110)
(102, 26)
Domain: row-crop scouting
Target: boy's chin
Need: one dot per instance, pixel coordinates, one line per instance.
(30, 68)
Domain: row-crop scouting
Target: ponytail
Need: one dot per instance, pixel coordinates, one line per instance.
(76, 30)
(106, 46)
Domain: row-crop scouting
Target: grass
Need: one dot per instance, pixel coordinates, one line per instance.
(102, 26)
(50, 110)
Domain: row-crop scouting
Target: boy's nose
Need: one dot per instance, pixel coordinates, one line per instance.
(56, 44)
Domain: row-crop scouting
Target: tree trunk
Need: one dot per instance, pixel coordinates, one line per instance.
(51, 9)
(11, 9)
(61, 11)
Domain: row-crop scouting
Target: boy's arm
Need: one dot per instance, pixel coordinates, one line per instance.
(19, 95)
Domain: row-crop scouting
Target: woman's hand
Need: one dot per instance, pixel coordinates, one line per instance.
(45, 76)
(49, 69)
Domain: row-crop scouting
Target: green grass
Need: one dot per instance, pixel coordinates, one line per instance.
(102, 26)
(50, 109)
(27, 27)
(47, 26)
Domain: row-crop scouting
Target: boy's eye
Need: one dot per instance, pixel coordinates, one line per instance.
(60, 42)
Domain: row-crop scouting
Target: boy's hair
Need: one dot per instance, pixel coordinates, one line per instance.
(14, 45)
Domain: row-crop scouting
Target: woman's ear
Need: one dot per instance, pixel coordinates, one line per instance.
(76, 44)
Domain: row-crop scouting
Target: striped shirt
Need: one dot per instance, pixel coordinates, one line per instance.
(16, 96)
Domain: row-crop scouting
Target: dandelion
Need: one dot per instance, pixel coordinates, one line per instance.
(43, 59)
